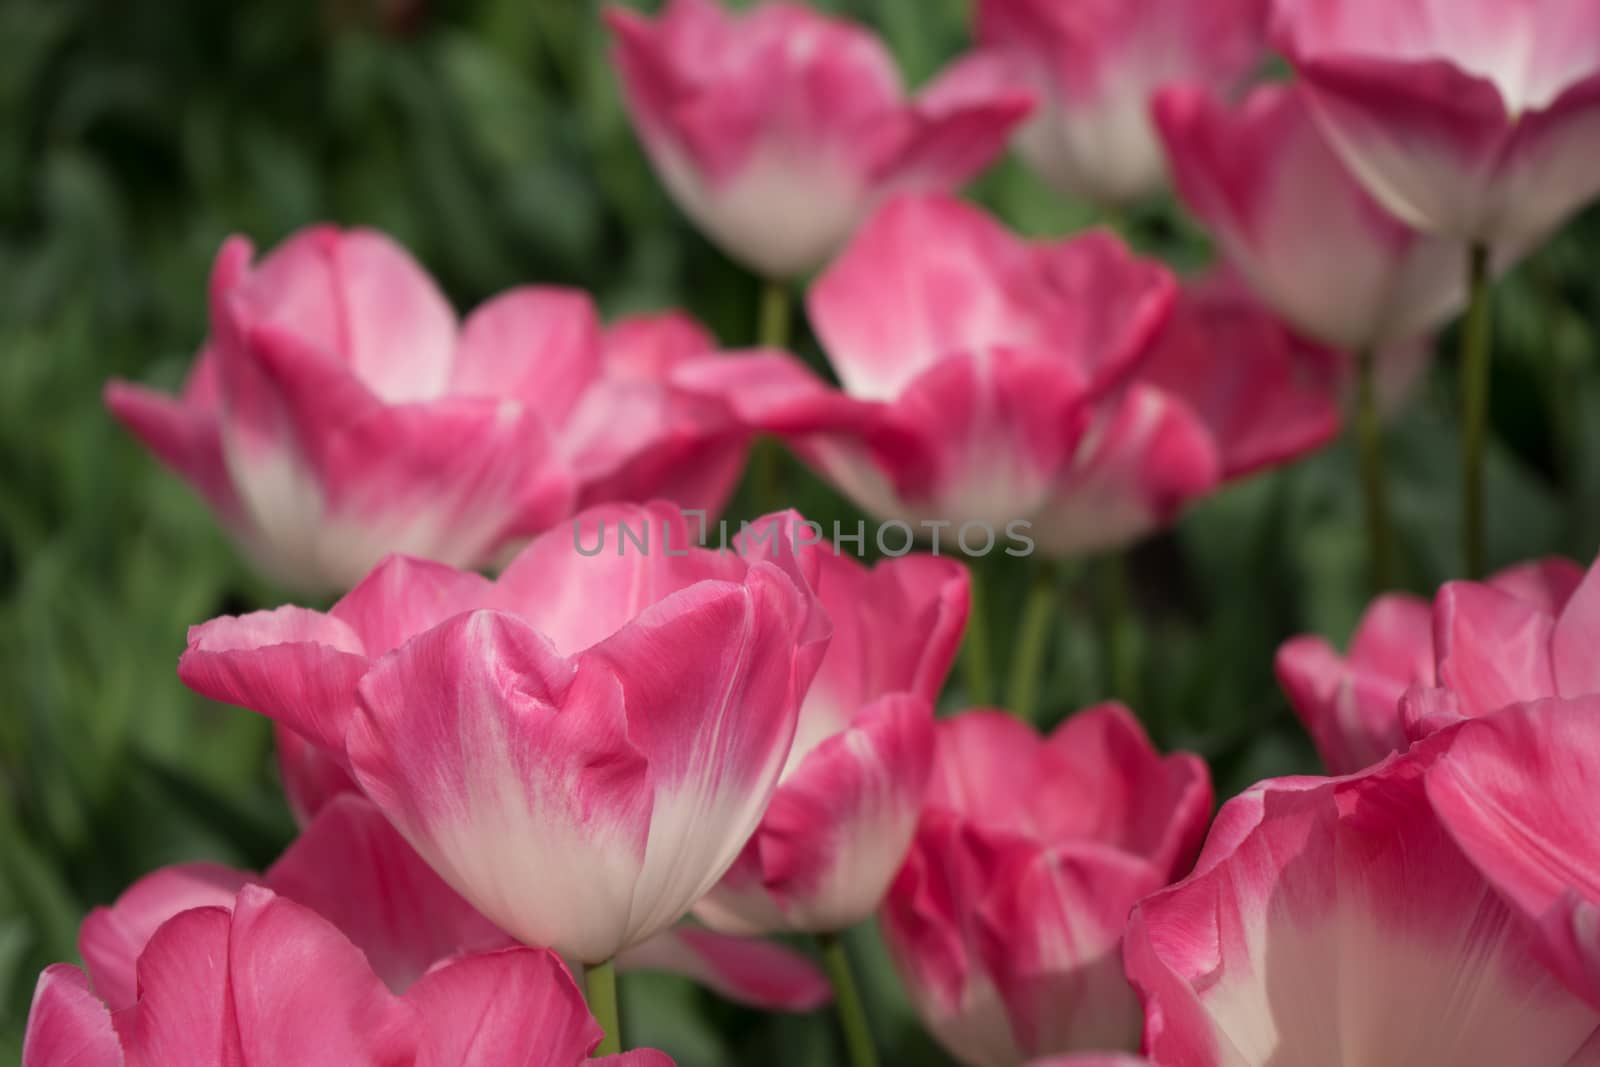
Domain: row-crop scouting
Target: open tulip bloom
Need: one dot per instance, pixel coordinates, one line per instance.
(582, 748)
(338, 412)
(991, 380)
(1006, 921)
(1095, 66)
(777, 129)
(852, 788)
(1332, 922)
(1412, 667)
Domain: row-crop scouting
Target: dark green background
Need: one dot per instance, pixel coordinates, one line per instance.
(490, 139)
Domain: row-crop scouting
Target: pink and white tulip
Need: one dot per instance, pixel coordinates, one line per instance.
(582, 748)
(1006, 921)
(1477, 120)
(851, 792)
(1352, 705)
(338, 412)
(263, 980)
(997, 383)
(1309, 238)
(1333, 922)
(1516, 789)
(777, 129)
(1096, 66)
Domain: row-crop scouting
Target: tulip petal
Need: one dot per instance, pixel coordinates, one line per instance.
(111, 939)
(355, 870)
(1575, 638)
(182, 436)
(311, 776)
(760, 974)
(68, 1026)
(1493, 648)
(541, 346)
(295, 666)
(403, 596)
(184, 1017)
(514, 1008)
(477, 733)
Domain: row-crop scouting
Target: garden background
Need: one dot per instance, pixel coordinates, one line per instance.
(488, 136)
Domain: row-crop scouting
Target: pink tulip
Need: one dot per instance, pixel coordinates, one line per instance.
(1096, 64)
(1516, 790)
(338, 412)
(263, 980)
(1337, 266)
(1351, 705)
(848, 800)
(777, 129)
(1333, 922)
(1477, 120)
(626, 711)
(353, 869)
(1006, 921)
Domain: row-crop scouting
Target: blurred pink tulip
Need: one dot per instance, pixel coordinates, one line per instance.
(1516, 789)
(260, 979)
(778, 128)
(1045, 388)
(1308, 237)
(1006, 921)
(1096, 64)
(582, 748)
(339, 413)
(1352, 705)
(851, 792)
(1333, 921)
(1478, 119)
(356, 871)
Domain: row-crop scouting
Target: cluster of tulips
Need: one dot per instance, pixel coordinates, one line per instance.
(631, 749)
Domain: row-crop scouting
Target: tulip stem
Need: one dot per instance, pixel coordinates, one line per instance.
(847, 999)
(773, 326)
(1475, 344)
(772, 331)
(977, 669)
(1033, 639)
(1374, 491)
(600, 990)
(1121, 639)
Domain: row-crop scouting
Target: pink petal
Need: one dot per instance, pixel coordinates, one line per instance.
(184, 437)
(650, 347)
(477, 733)
(68, 1026)
(761, 974)
(1546, 583)
(295, 666)
(185, 1016)
(1249, 380)
(355, 870)
(514, 1008)
(1318, 907)
(539, 346)
(1546, 176)
(712, 678)
(1493, 648)
(840, 823)
(959, 126)
(980, 755)
(112, 938)
(343, 1017)
(1575, 638)
(1151, 456)
(403, 596)
(1506, 788)
(311, 777)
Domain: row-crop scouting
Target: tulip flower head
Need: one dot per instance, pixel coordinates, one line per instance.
(1006, 922)
(1096, 64)
(1335, 921)
(1477, 120)
(338, 412)
(777, 129)
(582, 748)
(852, 789)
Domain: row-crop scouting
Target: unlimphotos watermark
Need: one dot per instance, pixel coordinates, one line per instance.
(895, 537)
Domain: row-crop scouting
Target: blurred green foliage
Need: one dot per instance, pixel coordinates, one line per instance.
(488, 136)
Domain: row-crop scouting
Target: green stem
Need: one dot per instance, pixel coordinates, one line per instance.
(1374, 491)
(1475, 343)
(977, 669)
(847, 999)
(772, 330)
(1033, 639)
(1122, 648)
(600, 990)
